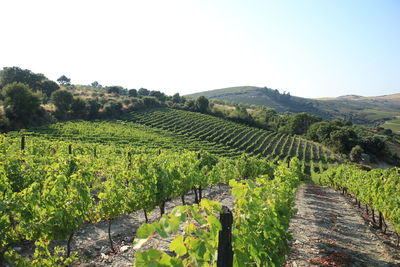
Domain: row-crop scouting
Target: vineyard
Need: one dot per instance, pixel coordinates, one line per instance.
(200, 133)
(238, 137)
(58, 178)
(378, 190)
(51, 188)
(122, 134)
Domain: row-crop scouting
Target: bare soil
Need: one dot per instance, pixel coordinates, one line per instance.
(328, 231)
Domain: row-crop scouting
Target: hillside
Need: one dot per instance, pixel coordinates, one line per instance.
(395, 98)
(358, 109)
(178, 130)
(120, 134)
(237, 137)
(264, 97)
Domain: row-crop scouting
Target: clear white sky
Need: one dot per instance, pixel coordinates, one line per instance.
(309, 48)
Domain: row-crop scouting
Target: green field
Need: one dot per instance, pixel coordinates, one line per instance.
(393, 125)
(374, 114)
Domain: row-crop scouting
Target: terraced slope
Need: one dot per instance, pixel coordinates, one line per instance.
(123, 134)
(236, 136)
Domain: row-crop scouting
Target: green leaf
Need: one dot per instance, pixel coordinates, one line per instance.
(150, 258)
(178, 246)
(174, 224)
(215, 224)
(190, 228)
(210, 206)
(145, 230)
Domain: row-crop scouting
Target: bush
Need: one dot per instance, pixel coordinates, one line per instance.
(355, 153)
(21, 105)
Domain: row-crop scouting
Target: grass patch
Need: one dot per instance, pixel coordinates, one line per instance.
(393, 125)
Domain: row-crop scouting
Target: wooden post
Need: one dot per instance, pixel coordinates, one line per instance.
(196, 198)
(69, 244)
(225, 253)
(200, 195)
(23, 142)
(162, 208)
(129, 160)
(380, 220)
(373, 215)
(109, 236)
(70, 149)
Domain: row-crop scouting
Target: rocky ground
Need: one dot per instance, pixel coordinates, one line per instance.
(329, 231)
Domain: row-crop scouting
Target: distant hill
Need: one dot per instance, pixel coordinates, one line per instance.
(358, 109)
(394, 98)
(265, 97)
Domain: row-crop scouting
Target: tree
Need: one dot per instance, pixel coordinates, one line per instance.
(320, 131)
(9, 75)
(176, 98)
(190, 104)
(79, 109)
(265, 116)
(93, 109)
(113, 109)
(48, 87)
(201, 104)
(240, 114)
(150, 101)
(95, 84)
(159, 95)
(373, 144)
(4, 123)
(132, 93)
(21, 105)
(143, 92)
(388, 132)
(342, 140)
(299, 123)
(118, 90)
(62, 99)
(355, 153)
(64, 80)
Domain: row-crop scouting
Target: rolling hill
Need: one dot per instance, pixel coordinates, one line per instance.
(358, 109)
(178, 130)
(234, 136)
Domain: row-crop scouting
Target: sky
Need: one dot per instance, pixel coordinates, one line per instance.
(316, 48)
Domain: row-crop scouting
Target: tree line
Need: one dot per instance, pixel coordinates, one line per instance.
(31, 99)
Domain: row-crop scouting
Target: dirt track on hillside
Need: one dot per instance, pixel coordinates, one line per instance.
(328, 231)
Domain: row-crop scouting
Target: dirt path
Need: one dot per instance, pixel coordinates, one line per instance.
(327, 231)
